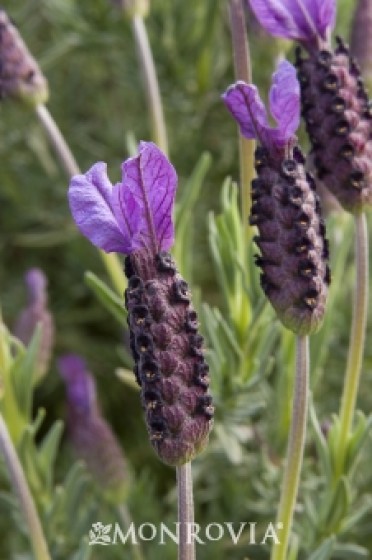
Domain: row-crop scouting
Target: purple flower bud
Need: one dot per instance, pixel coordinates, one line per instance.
(246, 106)
(339, 123)
(90, 434)
(135, 217)
(285, 207)
(20, 75)
(304, 20)
(36, 313)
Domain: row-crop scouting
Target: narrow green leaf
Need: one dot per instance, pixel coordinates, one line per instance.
(22, 373)
(324, 551)
(112, 303)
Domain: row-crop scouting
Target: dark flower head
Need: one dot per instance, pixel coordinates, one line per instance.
(307, 21)
(338, 119)
(285, 207)
(20, 75)
(334, 100)
(90, 434)
(35, 313)
(135, 218)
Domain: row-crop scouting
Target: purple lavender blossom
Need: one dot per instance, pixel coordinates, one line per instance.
(245, 105)
(334, 99)
(20, 75)
(285, 207)
(90, 435)
(307, 21)
(132, 215)
(135, 218)
(36, 313)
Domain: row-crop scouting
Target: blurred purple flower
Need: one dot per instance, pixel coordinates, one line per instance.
(303, 20)
(91, 436)
(132, 215)
(36, 313)
(246, 106)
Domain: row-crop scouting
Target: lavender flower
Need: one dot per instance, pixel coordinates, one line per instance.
(307, 21)
(20, 75)
(333, 97)
(134, 218)
(36, 313)
(285, 207)
(90, 435)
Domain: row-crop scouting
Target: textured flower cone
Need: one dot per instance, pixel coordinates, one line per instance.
(94, 443)
(361, 38)
(286, 210)
(168, 354)
(338, 120)
(20, 75)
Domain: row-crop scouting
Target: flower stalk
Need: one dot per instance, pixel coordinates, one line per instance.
(186, 549)
(243, 71)
(21, 489)
(159, 132)
(295, 448)
(357, 339)
(71, 168)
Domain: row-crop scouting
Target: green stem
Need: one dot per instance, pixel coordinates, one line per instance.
(243, 71)
(295, 449)
(23, 493)
(69, 164)
(357, 339)
(186, 549)
(126, 519)
(159, 132)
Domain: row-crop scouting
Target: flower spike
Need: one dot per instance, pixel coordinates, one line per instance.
(285, 207)
(89, 433)
(134, 218)
(37, 313)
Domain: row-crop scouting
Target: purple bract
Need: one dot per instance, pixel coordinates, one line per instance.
(132, 215)
(246, 106)
(303, 20)
(81, 392)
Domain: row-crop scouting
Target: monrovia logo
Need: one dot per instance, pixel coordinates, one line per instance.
(113, 534)
(99, 534)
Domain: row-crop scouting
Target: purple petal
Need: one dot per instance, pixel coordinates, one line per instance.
(152, 181)
(295, 19)
(128, 214)
(90, 203)
(245, 105)
(285, 101)
(81, 390)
